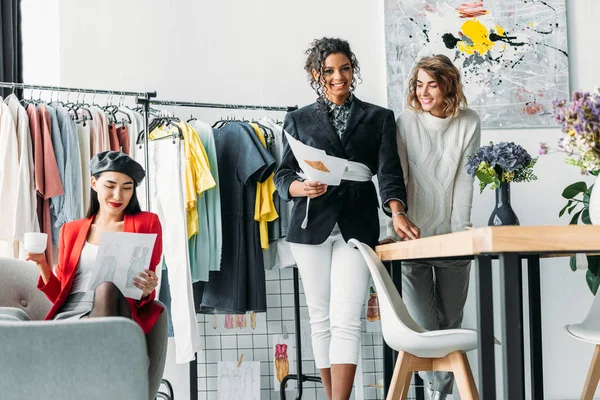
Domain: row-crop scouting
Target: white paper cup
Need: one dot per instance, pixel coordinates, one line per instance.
(35, 242)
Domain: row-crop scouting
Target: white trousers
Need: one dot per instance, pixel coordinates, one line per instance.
(335, 280)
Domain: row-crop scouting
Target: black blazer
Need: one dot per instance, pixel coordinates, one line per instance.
(370, 138)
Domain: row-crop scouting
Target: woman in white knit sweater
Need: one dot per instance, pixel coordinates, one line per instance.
(435, 135)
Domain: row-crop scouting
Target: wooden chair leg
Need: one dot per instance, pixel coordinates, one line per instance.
(399, 387)
(463, 376)
(591, 382)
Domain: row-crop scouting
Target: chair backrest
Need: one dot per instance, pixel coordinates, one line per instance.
(395, 318)
(18, 280)
(95, 358)
(592, 319)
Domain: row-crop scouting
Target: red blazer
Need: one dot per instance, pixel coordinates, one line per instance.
(72, 238)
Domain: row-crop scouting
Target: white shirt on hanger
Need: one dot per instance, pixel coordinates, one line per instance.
(25, 215)
(9, 172)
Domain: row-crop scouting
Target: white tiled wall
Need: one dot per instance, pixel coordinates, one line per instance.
(255, 346)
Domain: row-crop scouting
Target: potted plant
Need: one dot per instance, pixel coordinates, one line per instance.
(580, 122)
(498, 165)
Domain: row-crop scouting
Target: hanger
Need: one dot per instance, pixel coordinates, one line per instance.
(192, 118)
(267, 133)
(161, 122)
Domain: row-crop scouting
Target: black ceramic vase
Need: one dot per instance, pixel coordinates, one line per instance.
(503, 213)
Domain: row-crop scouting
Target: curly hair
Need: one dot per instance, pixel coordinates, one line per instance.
(319, 50)
(447, 77)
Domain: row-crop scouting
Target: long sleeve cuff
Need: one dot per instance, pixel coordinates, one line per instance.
(387, 208)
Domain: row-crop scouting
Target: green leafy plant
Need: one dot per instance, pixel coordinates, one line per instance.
(578, 208)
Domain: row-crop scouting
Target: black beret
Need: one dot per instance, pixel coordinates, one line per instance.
(118, 162)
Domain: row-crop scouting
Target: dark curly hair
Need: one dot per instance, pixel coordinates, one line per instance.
(319, 50)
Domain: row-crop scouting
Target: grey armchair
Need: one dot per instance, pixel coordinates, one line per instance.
(97, 358)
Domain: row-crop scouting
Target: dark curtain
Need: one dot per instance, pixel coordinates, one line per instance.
(11, 44)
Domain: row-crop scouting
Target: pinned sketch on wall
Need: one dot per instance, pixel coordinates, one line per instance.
(512, 54)
(239, 323)
(305, 338)
(238, 380)
(121, 257)
(373, 315)
(283, 355)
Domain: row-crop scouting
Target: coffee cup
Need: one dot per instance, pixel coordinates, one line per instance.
(35, 242)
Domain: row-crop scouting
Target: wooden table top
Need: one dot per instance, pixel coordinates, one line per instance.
(545, 240)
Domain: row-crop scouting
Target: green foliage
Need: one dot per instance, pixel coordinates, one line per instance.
(578, 204)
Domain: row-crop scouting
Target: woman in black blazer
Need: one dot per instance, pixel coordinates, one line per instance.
(334, 276)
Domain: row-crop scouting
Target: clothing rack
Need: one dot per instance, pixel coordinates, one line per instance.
(121, 93)
(299, 376)
(213, 105)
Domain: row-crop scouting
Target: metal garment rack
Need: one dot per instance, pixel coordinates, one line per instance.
(299, 376)
(122, 93)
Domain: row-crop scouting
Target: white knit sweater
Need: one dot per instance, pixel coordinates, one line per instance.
(433, 153)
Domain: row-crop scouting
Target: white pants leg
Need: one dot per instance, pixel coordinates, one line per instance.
(335, 280)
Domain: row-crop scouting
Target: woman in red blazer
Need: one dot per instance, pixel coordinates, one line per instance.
(114, 207)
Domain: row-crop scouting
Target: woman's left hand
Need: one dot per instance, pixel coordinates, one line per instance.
(405, 228)
(147, 283)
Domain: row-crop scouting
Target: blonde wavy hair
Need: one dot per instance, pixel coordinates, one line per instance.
(447, 77)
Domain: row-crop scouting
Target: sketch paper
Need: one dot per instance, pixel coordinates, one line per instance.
(305, 338)
(316, 164)
(283, 354)
(238, 383)
(240, 324)
(372, 313)
(121, 257)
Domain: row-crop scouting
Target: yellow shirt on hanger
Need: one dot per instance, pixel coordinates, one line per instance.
(197, 169)
(264, 208)
(197, 174)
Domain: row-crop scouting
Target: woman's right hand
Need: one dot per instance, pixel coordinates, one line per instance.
(39, 259)
(310, 189)
(42, 264)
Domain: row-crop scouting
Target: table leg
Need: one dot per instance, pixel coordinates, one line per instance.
(535, 328)
(485, 328)
(389, 356)
(511, 294)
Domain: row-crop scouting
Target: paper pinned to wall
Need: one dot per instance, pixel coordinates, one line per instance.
(372, 314)
(316, 164)
(121, 257)
(239, 381)
(283, 354)
(249, 323)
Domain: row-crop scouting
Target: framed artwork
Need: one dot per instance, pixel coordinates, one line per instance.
(512, 54)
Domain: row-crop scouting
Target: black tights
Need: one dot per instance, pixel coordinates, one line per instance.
(109, 302)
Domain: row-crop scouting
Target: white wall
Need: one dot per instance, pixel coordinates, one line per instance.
(41, 40)
(252, 52)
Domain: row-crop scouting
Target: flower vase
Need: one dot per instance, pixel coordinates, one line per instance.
(594, 206)
(503, 213)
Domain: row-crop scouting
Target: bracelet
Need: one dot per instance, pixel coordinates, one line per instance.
(399, 213)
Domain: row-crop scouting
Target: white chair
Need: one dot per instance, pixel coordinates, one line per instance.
(418, 349)
(589, 331)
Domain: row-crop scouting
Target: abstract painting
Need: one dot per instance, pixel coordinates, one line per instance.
(512, 54)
